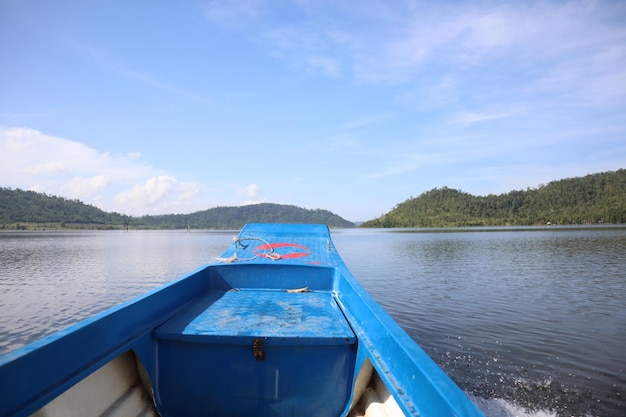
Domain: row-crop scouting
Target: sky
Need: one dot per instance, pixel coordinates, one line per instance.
(158, 107)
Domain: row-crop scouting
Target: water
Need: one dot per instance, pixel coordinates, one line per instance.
(528, 321)
(49, 280)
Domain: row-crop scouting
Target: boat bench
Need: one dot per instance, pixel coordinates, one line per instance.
(256, 352)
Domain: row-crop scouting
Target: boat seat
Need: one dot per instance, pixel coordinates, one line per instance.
(256, 352)
(310, 317)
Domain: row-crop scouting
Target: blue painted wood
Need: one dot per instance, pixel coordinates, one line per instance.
(197, 379)
(196, 335)
(239, 316)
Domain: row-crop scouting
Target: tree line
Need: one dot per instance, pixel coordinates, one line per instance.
(235, 218)
(596, 198)
(21, 209)
(592, 199)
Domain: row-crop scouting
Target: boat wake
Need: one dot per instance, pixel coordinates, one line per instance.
(497, 407)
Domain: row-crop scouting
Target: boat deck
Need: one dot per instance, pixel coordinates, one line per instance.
(279, 316)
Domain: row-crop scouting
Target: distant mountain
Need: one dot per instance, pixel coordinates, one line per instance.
(237, 217)
(596, 198)
(31, 210)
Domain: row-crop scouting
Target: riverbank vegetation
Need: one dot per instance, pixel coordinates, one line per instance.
(596, 198)
(235, 218)
(29, 210)
(592, 199)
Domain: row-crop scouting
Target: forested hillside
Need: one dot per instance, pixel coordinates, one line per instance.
(23, 209)
(31, 210)
(596, 198)
(237, 217)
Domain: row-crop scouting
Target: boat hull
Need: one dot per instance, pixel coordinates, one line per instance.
(277, 326)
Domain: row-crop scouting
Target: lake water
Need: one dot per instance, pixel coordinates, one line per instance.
(528, 321)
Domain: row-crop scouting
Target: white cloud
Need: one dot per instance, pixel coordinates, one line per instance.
(232, 12)
(250, 191)
(325, 65)
(251, 195)
(86, 187)
(32, 160)
(111, 63)
(507, 42)
(367, 121)
(157, 194)
(485, 116)
(46, 168)
(405, 163)
(27, 155)
(14, 116)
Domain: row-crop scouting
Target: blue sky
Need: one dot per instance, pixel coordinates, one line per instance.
(155, 107)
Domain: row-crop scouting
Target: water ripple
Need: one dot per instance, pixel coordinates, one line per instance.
(530, 320)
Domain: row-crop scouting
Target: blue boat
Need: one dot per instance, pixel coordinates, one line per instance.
(277, 326)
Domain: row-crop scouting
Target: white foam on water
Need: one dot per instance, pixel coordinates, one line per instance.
(497, 407)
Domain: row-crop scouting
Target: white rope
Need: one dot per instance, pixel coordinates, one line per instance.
(230, 259)
(237, 241)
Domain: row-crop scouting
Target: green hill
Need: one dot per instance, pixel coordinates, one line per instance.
(237, 217)
(28, 209)
(596, 198)
(31, 210)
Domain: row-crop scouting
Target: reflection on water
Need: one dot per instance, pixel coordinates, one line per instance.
(49, 280)
(532, 318)
(536, 316)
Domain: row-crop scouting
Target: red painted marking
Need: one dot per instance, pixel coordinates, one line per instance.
(274, 255)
